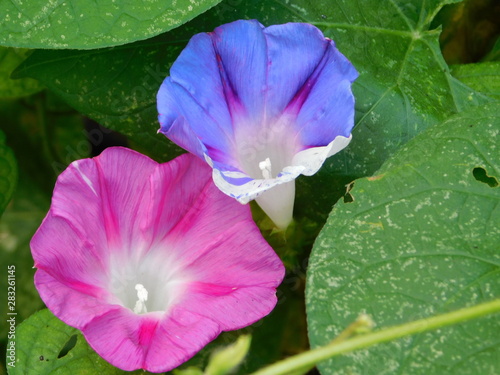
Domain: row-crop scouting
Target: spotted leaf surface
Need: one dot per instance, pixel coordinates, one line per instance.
(84, 25)
(420, 238)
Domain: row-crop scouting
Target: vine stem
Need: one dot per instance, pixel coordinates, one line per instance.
(312, 357)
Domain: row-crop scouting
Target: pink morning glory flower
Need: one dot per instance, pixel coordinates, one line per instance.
(262, 105)
(151, 261)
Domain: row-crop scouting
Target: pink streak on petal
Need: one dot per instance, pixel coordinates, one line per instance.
(119, 184)
(76, 191)
(72, 306)
(92, 192)
(179, 181)
(154, 342)
(184, 334)
(147, 330)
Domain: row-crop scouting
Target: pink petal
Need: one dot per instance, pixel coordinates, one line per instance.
(75, 304)
(92, 192)
(184, 334)
(154, 342)
(175, 189)
(81, 262)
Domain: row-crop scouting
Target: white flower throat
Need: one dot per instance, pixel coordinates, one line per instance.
(146, 281)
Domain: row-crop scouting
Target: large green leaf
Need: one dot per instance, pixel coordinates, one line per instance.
(91, 24)
(404, 84)
(420, 238)
(10, 58)
(8, 173)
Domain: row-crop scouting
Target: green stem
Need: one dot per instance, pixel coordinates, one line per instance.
(314, 356)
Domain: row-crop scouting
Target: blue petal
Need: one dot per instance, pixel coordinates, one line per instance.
(217, 80)
(241, 52)
(189, 125)
(179, 132)
(194, 92)
(294, 51)
(325, 103)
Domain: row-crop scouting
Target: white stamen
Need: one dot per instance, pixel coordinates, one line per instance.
(142, 295)
(265, 167)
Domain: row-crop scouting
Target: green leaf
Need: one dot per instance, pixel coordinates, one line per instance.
(45, 345)
(8, 173)
(10, 58)
(482, 77)
(84, 25)
(404, 84)
(420, 238)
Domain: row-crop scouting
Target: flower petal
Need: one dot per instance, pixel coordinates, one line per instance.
(327, 111)
(187, 176)
(184, 334)
(75, 304)
(92, 192)
(206, 91)
(241, 52)
(128, 339)
(153, 342)
(191, 125)
(278, 203)
(201, 244)
(287, 74)
(311, 159)
(83, 263)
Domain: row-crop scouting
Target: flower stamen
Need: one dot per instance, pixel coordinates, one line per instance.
(265, 167)
(142, 295)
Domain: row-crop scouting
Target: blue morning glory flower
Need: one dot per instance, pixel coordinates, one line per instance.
(261, 105)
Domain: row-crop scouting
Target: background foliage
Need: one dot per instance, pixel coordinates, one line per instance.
(414, 231)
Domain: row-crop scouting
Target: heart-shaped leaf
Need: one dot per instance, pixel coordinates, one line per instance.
(419, 238)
